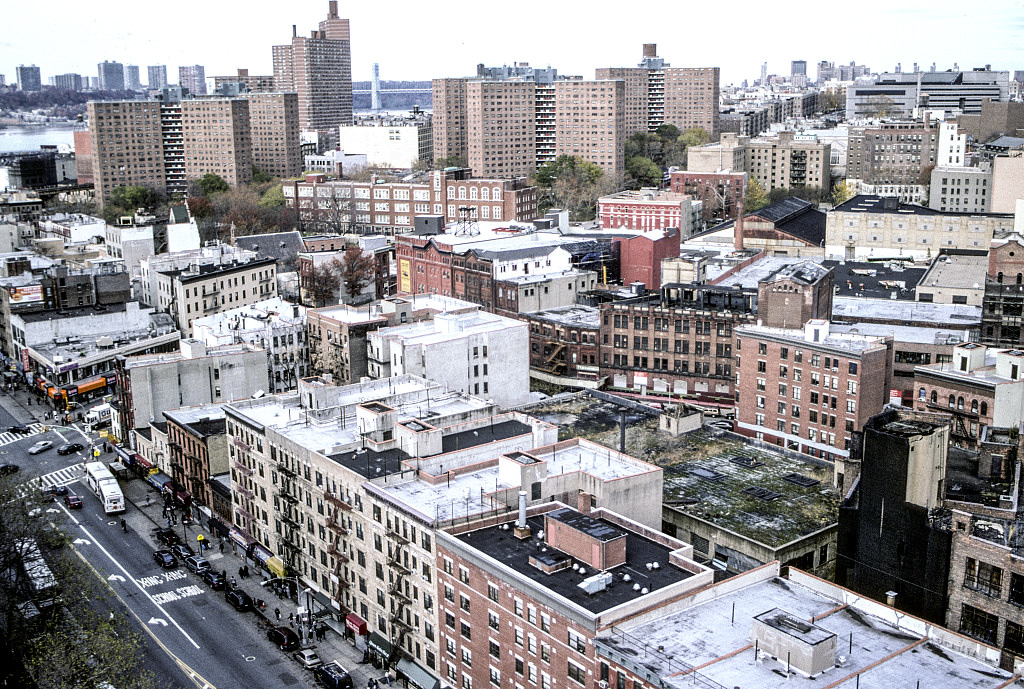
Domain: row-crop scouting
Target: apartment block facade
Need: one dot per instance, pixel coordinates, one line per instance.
(391, 208)
(216, 138)
(657, 93)
(720, 193)
(127, 146)
(319, 70)
(899, 153)
(193, 78)
(274, 128)
(787, 161)
(807, 389)
(1003, 303)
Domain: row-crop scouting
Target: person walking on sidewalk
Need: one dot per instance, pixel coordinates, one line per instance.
(124, 526)
(277, 614)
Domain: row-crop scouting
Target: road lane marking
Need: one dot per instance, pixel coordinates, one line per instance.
(121, 567)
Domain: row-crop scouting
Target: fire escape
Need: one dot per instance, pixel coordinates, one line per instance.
(399, 589)
(291, 519)
(337, 507)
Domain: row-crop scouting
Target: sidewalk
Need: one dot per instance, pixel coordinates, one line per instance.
(334, 647)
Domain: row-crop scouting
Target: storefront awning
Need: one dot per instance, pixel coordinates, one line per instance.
(417, 676)
(277, 566)
(356, 623)
(378, 644)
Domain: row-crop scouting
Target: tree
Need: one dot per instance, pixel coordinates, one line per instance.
(127, 200)
(549, 172)
(357, 271)
(694, 136)
(450, 161)
(273, 198)
(754, 197)
(842, 192)
(320, 283)
(879, 106)
(200, 207)
(66, 643)
(260, 177)
(642, 172)
(211, 183)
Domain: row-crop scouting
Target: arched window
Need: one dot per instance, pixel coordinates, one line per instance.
(960, 403)
(451, 192)
(935, 397)
(984, 408)
(921, 394)
(473, 193)
(999, 278)
(952, 401)
(462, 192)
(485, 193)
(497, 193)
(974, 406)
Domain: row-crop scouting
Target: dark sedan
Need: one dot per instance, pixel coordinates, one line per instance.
(68, 448)
(166, 536)
(284, 638)
(165, 559)
(24, 430)
(214, 579)
(73, 501)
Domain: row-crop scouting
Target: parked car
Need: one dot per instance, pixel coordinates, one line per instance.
(284, 638)
(41, 446)
(307, 658)
(73, 501)
(240, 600)
(24, 430)
(68, 448)
(8, 469)
(53, 492)
(333, 676)
(214, 579)
(165, 559)
(182, 550)
(196, 564)
(166, 536)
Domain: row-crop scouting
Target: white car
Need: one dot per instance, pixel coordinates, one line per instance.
(307, 658)
(40, 446)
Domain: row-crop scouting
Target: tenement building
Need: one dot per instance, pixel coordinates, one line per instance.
(1003, 302)
(808, 389)
(349, 489)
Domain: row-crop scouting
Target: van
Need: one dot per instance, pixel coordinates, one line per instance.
(333, 676)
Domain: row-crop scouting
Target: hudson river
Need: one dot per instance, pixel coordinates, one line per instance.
(31, 138)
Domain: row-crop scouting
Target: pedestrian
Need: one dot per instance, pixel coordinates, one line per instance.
(221, 546)
(291, 621)
(168, 522)
(147, 500)
(387, 679)
(277, 614)
(232, 582)
(124, 526)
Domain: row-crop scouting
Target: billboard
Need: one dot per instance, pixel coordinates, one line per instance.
(405, 276)
(28, 294)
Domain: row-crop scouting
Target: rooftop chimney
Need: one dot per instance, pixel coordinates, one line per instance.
(522, 531)
(650, 50)
(295, 32)
(332, 9)
(737, 231)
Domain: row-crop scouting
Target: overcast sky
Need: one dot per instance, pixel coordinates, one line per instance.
(411, 42)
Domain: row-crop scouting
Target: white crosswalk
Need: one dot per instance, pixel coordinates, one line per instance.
(63, 477)
(7, 437)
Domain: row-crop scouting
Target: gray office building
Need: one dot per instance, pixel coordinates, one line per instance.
(897, 94)
(131, 78)
(157, 76)
(29, 78)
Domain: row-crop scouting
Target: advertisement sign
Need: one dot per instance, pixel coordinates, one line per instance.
(404, 275)
(24, 359)
(28, 294)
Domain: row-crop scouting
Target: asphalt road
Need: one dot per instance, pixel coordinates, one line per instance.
(193, 632)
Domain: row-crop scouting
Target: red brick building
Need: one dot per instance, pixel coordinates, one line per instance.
(808, 389)
(640, 257)
(646, 210)
(379, 207)
(565, 342)
(719, 192)
(525, 612)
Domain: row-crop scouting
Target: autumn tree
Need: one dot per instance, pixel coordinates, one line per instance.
(356, 270)
(754, 196)
(842, 192)
(642, 172)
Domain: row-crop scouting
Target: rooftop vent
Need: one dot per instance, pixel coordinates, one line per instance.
(761, 493)
(707, 474)
(801, 480)
(748, 462)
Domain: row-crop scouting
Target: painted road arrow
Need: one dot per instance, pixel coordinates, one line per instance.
(115, 577)
(158, 620)
(81, 541)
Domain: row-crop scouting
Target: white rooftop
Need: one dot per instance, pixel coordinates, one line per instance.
(855, 308)
(448, 326)
(906, 333)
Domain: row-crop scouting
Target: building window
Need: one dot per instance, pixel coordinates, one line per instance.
(494, 648)
(1013, 640)
(578, 674)
(983, 577)
(492, 592)
(978, 623)
(465, 631)
(1017, 589)
(577, 642)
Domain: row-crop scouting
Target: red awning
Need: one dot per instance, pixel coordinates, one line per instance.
(141, 461)
(356, 623)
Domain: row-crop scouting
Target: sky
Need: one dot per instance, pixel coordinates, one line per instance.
(410, 42)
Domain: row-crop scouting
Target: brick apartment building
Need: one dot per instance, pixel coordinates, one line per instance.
(681, 341)
(338, 206)
(517, 610)
(657, 93)
(787, 161)
(197, 441)
(319, 70)
(565, 342)
(807, 389)
(646, 210)
(981, 387)
(1003, 302)
(720, 193)
(217, 139)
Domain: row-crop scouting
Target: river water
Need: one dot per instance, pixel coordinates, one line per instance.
(31, 138)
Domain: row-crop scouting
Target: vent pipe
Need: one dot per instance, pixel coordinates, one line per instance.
(522, 531)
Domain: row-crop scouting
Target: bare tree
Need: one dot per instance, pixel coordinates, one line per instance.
(320, 282)
(332, 212)
(357, 270)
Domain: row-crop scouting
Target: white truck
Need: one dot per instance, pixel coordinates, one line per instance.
(98, 416)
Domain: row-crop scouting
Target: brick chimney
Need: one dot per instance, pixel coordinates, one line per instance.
(738, 225)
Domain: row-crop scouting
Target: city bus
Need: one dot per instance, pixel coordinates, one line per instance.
(40, 580)
(101, 482)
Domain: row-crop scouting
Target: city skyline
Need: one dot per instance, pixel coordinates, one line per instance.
(415, 50)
